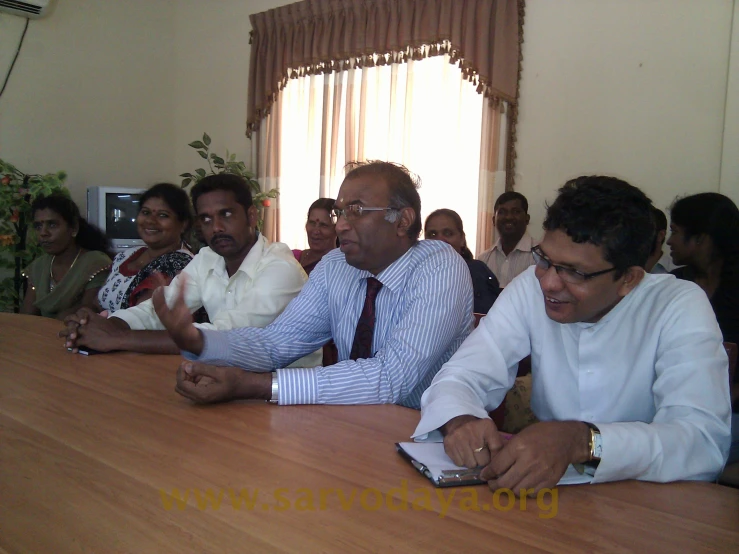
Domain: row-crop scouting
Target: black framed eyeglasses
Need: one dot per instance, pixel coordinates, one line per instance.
(354, 211)
(567, 274)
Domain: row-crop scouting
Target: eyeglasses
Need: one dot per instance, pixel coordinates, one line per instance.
(354, 211)
(567, 274)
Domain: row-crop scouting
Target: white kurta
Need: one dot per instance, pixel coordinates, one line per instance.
(652, 374)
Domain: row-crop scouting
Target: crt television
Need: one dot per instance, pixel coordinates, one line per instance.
(114, 210)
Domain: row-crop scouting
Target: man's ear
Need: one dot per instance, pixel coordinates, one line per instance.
(528, 219)
(252, 216)
(630, 279)
(661, 237)
(407, 217)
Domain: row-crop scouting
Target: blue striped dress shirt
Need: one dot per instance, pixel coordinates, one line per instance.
(423, 314)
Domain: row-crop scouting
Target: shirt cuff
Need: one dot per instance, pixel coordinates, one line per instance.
(625, 453)
(437, 415)
(442, 404)
(216, 348)
(297, 386)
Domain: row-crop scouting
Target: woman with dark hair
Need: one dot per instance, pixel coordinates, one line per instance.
(75, 265)
(704, 237)
(321, 233)
(163, 219)
(446, 225)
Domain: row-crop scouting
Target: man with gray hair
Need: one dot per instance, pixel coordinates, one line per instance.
(396, 308)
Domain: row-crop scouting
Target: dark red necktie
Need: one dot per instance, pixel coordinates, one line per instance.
(362, 345)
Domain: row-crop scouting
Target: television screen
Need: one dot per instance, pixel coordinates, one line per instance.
(120, 215)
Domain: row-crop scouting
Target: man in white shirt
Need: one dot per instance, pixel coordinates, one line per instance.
(511, 253)
(240, 278)
(630, 376)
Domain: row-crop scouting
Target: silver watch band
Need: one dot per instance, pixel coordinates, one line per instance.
(275, 398)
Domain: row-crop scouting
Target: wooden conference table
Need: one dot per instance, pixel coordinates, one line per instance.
(92, 448)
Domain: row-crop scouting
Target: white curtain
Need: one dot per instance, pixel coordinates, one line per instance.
(422, 114)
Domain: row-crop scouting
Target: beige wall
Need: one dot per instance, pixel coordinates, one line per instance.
(211, 75)
(113, 92)
(631, 88)
(91, 93)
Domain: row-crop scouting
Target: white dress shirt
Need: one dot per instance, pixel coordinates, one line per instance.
(265, 283)
(506, 268)
(652, 375)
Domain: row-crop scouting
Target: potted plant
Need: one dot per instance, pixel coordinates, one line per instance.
(217, 164)
(18, 190)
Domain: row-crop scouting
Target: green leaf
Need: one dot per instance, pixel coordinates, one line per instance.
(200, 171)
(206, 139)
(203, 154)
(197, 144)
(186, 175)
(186, 182)
(219, 161)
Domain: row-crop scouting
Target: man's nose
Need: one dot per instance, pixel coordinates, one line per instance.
(218, 224)
(549, 279)
(342, 224)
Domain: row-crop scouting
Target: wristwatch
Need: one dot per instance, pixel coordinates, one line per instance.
(275, 398)
(596, 449)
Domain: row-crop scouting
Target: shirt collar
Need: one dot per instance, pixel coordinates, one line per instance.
(394, 275)
(524, 245)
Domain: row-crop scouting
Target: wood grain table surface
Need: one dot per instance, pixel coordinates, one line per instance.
(99, 454)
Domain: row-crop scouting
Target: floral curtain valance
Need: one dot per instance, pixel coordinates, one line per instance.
(317, 36)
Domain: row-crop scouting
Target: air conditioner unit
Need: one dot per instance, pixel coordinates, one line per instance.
(34, 9)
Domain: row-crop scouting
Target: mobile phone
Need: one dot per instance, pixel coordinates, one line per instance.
(85, 351)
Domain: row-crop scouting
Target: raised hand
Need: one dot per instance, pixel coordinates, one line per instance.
(177, 318)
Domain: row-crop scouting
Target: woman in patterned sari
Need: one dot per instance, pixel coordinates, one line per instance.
(163, 219)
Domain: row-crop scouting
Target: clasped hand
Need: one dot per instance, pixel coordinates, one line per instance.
(206, 384)
(87, 328)
(534, 459)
